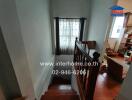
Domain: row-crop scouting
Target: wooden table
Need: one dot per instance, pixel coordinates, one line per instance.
(120, 60)
(118, 67)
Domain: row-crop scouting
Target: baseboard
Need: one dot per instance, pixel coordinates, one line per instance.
(43, 82)
(48, 81)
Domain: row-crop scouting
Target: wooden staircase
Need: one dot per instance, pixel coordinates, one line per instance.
(60, 89)
(88, 69)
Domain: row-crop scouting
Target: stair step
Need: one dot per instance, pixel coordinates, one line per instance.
(60, 93)
(60, 80)
(60, 89)
(60, 97)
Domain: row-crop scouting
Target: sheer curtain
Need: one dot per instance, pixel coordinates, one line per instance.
(69, 29)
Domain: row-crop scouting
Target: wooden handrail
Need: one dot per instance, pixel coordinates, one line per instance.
(90, 67)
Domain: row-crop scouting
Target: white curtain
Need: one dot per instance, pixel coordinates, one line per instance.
(69, 29)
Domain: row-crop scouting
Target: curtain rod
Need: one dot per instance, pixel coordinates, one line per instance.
(70, 18)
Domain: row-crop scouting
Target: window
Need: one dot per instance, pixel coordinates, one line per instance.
(69, 29)
(117, 27)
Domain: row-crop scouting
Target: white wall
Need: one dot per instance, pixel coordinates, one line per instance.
(36, 32)
(8, 81)
(99, 21)
(71, 9)
(11, 31)
(26, 28)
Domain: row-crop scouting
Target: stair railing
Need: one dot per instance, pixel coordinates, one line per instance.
(87, 69)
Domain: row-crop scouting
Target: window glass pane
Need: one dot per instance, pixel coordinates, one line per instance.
(117, 27)
(69, 29)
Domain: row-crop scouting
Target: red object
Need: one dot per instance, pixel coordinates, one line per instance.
(117, 11)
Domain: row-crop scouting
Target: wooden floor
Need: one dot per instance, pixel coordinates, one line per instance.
(106, 88)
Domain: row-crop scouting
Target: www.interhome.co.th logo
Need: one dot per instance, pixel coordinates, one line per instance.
(117, 11)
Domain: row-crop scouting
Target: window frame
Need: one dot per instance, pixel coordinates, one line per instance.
(82, 24)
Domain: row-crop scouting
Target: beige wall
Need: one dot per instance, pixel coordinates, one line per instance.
(127, 4)
(112, 43)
